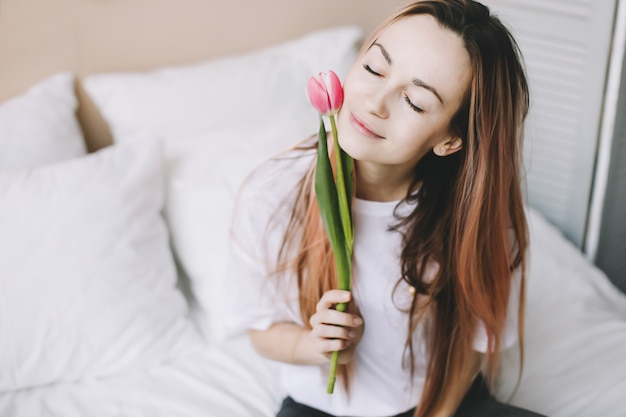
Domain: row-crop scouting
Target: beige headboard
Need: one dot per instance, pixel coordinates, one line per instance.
(41, 37)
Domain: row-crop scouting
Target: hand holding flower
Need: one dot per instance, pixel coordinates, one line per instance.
(333, 330)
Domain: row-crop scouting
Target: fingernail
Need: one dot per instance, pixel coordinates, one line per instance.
(358, 321)
(351, 333)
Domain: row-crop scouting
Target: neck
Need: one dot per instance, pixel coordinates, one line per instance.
(376, 182)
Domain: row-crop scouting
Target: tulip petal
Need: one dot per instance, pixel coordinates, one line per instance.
(335, 91)
(317, 95)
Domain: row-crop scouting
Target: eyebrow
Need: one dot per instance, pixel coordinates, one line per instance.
(416, 81)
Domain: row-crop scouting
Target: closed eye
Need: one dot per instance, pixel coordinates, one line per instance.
(413, 106)
(371, 71)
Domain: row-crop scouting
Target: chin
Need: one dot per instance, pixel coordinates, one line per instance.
(352, 142)
(353, 146)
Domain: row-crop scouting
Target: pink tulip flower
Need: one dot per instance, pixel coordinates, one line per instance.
(325, 93)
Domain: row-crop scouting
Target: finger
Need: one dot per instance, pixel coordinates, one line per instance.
(328, 346)
(345, 355)
(334, 332)
(333, 297)
(338, 318)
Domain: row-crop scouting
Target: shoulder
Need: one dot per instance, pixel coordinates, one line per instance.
(275, 181)
(265, 202)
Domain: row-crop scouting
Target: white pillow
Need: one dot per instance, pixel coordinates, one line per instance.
(575, 334)
(218, 120)
(87, 279)
(201, 194)
(40, 126)
(241, 90)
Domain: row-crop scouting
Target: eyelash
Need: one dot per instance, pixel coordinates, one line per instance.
(371, 71)
(406, 98)
(413, 106)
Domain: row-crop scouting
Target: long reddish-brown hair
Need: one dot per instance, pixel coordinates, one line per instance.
(469, 204)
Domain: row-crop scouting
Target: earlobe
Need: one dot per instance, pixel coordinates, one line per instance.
(448, 147)
(440, 150)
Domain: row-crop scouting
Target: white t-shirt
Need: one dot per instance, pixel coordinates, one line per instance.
(381, 384)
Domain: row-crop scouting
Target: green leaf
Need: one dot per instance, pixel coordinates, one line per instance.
(330, 211)
(326, 193)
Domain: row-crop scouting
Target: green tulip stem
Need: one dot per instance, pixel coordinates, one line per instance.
(334, 360)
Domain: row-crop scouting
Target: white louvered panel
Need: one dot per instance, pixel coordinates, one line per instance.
(574, 8)
(556, 72)
(566, 45)
(611, 255)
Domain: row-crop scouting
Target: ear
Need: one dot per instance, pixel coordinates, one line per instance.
(448, 147)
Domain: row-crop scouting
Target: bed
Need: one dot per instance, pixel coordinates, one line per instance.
(125, 130)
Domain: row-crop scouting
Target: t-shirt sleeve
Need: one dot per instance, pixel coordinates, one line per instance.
(257, 298)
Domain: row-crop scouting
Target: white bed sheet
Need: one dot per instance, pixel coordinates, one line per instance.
(228, 379)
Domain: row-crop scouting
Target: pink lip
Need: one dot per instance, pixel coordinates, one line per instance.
(361, 127)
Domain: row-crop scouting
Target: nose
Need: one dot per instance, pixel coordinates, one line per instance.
(376, 103)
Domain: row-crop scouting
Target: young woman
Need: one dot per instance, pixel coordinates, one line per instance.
(433, 117)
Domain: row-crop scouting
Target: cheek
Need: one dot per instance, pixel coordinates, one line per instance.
(356, 82)
(418, 135)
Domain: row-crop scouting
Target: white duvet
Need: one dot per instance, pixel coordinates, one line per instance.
(575, 344)
(225, 380)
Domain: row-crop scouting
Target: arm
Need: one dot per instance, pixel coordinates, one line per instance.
(460, 388)
(330, 330)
